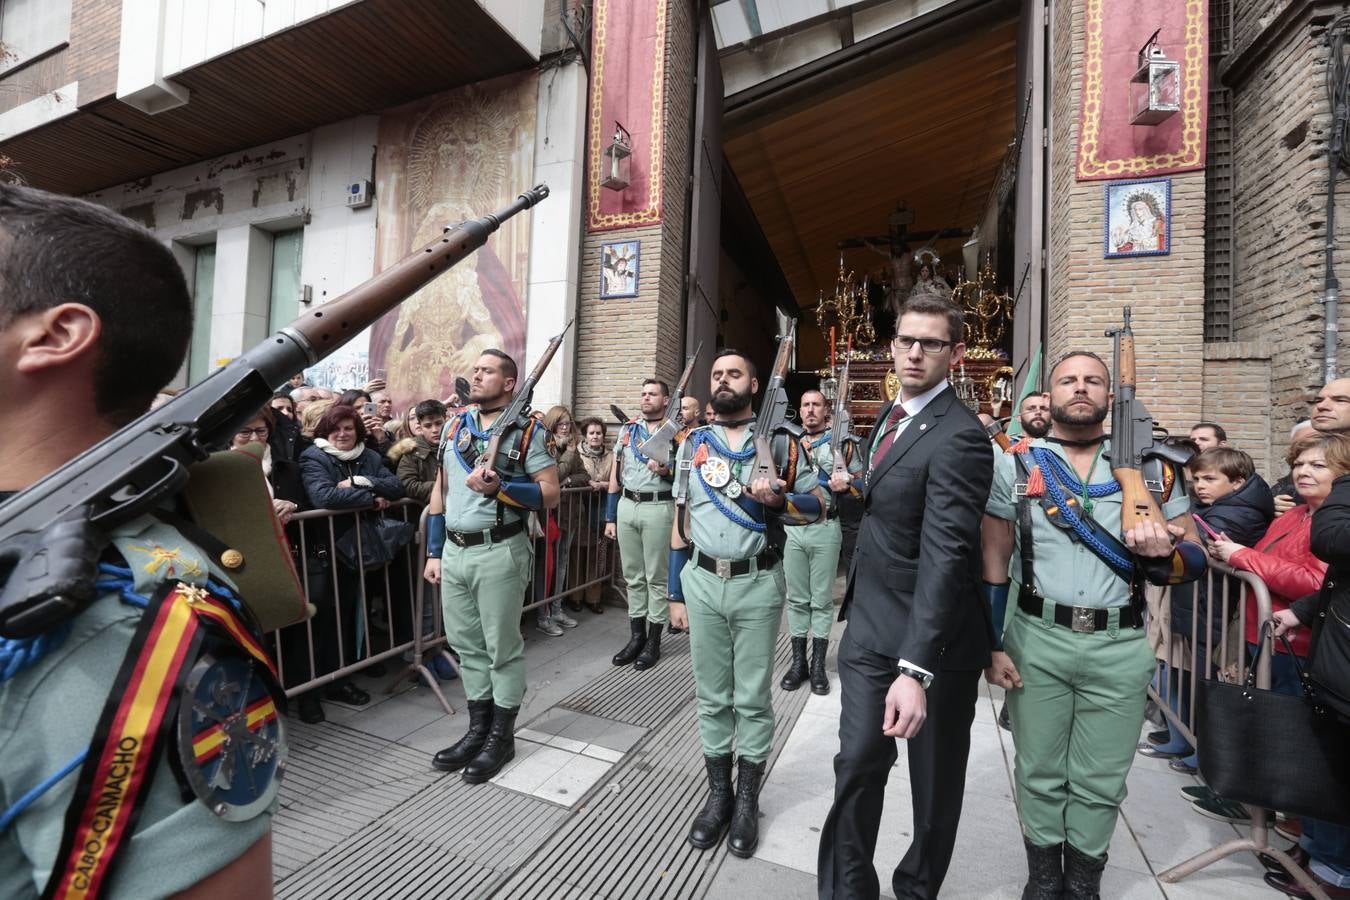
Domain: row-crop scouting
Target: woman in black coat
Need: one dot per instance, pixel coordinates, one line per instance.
(340, 472)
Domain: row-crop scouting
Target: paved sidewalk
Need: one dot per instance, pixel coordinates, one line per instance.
(599, 744)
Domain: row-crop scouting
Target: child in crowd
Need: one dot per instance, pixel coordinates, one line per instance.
(1231, 500)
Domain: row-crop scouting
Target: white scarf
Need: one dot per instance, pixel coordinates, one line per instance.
(267, 468)
(345, 455)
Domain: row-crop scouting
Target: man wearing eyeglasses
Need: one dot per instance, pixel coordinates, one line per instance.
(918, 632)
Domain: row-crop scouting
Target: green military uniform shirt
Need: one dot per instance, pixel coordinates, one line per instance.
(1067, 572)
(710, 530)
(466, 509)
(633, 472)
(823, 459)
(47, 716)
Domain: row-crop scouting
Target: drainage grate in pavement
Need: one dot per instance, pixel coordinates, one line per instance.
(337, 782)
(646, 698)
(450, 840)
(627, 840)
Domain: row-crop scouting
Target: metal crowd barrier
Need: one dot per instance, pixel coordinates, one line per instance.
(1226, 608)
(318, 651)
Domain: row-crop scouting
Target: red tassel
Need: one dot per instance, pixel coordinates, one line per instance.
(1022, 446)
(1035, 483)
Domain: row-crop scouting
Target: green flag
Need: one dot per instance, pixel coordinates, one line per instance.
(1031, 385)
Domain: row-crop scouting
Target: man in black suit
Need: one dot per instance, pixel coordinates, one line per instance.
(918, 627)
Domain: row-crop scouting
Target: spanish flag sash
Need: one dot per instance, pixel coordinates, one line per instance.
(136, 722)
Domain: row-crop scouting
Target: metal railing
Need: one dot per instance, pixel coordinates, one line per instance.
(1225, 617)
(346, 634)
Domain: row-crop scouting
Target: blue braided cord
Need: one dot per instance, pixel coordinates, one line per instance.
(701, 437)
(733, 515)
(1114, 559)
(28, 799)
(466, 418)
(17, 654)
(633, 441)
(1069, 477)
(816, 445)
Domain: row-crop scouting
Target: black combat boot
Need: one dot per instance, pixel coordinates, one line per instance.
(630, 651)
(796, 672)
(820, 682)
(712, 821)
(651, 651)
(1082, 874)
(498, 750)
(456, 757)
(745, 820)
(1045, 872)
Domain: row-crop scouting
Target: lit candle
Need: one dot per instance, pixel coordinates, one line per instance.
(831, 346)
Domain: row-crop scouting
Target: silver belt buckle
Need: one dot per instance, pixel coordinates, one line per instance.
(1084, 619)
(723, 568)
(457, 537)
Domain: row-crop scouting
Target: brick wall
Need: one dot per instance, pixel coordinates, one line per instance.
(1281, 122)
(90, 58)
(1237, 397)
(621, 342)
(1087, 293)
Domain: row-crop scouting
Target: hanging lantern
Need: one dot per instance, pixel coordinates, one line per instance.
(1155, 87)
(618, 160)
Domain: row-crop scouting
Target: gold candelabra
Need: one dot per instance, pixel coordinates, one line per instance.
(988, 310)
(846, 317)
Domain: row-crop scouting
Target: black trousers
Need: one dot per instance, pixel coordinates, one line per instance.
(937, 773)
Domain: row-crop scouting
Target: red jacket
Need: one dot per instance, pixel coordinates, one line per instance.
(1284, 560)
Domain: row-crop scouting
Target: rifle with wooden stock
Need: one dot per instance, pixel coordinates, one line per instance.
(841, 424)
(517, 412)
(1131, 435)
(52, 533)
(657, 445)
(773, 410)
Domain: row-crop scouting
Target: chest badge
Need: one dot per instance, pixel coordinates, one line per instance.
(231, 736)
(733, 489)
(715, 472)
(464, 440)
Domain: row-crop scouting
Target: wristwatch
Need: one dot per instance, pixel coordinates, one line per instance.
(923, 678)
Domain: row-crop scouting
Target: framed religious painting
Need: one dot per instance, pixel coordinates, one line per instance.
(1138, 218)
(619, 269)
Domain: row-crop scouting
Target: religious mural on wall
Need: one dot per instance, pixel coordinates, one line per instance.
(439, 161)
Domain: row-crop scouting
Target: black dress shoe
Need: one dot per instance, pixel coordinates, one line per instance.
(712, 821)
(458, 755)
(347, 693)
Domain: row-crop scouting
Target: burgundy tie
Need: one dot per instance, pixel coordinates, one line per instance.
(888, 433)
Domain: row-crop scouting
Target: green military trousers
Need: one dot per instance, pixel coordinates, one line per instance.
(1075, 722)
(810, 561)
(482, 593)
(733, 627)
(644, 550)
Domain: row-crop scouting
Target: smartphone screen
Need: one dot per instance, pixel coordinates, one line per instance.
(1204, 526)
(369, 409)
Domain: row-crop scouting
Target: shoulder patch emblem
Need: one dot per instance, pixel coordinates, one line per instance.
(231, 736)
(464, 440)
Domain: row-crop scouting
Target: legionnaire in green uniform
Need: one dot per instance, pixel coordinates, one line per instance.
(480, 554)
(1074, 657)
(811, 554)
(727, 589)
(640, 510)
(94, 318)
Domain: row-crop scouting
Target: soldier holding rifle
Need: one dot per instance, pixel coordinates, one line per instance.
(811, 557)
(495, 471)
(638, 512)
(738, 481)
(1088, 520)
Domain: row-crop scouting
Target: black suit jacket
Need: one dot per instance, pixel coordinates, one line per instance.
(914, 583)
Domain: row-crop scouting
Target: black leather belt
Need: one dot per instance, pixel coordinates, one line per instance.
(647, 496)
(494, 534)
(1086, 619)
(730, 568)
(832, 514)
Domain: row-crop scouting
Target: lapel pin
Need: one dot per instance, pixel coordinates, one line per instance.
(923, 425)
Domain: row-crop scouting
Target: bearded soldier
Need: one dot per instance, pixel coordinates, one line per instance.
(480, 555)
(726, 587)
(639, 512)
(811, 554)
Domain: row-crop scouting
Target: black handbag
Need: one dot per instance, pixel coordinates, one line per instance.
(1275, 751)
(381, 540)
